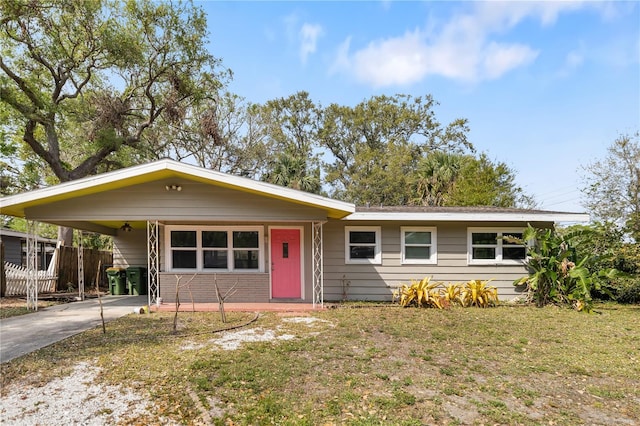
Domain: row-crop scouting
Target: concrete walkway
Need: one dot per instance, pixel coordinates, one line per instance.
(26, 333)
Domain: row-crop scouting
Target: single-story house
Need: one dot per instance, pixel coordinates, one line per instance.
(279, 244)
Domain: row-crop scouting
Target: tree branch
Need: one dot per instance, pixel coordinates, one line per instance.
(22, 85)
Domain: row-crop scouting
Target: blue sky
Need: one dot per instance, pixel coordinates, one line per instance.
(546, 86)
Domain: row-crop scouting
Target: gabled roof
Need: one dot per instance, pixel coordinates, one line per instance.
(15, 205)
(463, 214)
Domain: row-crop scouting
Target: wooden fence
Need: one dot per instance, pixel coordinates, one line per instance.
(68, 268)
(14, 281)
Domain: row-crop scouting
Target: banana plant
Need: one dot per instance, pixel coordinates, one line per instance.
(556, 275)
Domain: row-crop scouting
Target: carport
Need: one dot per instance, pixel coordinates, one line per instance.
(142, 205)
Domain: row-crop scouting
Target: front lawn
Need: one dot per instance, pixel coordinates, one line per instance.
(14, 306)
(368, 366)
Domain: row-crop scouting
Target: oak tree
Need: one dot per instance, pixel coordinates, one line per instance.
(84, 81)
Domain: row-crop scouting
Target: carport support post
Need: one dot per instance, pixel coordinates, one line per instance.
(32, 265)
(153, 265)
(318, 265)
(80, 266)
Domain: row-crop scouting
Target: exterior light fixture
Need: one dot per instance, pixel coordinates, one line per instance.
(126, 227)
(173, 188)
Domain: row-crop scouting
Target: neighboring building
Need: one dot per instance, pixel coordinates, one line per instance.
(15, 248)
(279, 244)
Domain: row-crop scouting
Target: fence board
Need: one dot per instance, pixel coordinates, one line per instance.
(16, 277)
(68, 268)
(67, 278)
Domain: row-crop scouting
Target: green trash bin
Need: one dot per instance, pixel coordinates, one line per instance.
(137, 280)
(117, 281)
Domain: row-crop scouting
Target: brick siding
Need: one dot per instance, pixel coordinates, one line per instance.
(250, 288)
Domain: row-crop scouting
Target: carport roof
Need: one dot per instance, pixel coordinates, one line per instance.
(16, 205)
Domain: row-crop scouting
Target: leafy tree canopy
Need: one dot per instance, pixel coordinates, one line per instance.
(82, 82)
(96, 85)
(612, 185)
(375, 146)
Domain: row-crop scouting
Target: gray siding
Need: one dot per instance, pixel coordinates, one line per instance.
(130, 249)
(196, 202)
(12, 249)
(377, 282)
(365, 282)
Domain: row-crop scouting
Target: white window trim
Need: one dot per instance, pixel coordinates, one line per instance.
(433, 258)
(499, 244)
(199, 249)
(377, 259)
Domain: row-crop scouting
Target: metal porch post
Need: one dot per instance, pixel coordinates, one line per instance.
(153, 264)
(318, 265)
(80, 265)
(32, 265)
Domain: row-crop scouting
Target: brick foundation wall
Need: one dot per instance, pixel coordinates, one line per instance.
(250, 288)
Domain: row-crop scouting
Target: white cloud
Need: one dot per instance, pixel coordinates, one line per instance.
(396, 61)
(499, 59)
(341, 60)
(309, 34)
(462, 48)
(572, 61)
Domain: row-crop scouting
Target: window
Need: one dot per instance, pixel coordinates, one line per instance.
(487, 246)
(214, 249)
(419, 245)
(245, 250)
(362, 244)
(183, 249)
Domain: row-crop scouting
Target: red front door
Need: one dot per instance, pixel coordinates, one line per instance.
(285, 264)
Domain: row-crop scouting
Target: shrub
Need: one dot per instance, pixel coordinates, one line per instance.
(478, 293)
(424, 293)
(421, 293)
(453, 294)
(628, 291)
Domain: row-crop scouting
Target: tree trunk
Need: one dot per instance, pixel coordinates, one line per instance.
(65, 235)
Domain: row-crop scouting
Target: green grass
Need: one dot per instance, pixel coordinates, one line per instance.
(372, 366)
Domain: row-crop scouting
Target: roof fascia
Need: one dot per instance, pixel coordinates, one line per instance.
(469, 217)
(149, 172)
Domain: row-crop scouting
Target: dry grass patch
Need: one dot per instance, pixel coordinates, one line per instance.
(14, 306)
(371, 365)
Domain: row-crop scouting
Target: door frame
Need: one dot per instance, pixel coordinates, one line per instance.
(302, 286)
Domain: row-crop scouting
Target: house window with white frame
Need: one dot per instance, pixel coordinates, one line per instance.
(362, 244)
(215, 249)
(419, 245)
(488, 246)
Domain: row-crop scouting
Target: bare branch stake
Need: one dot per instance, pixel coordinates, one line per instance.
(104, 328)
(221, 298)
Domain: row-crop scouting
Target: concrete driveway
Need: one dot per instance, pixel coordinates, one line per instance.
(26, 333)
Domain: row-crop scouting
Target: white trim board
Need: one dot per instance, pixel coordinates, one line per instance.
(468, 217)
